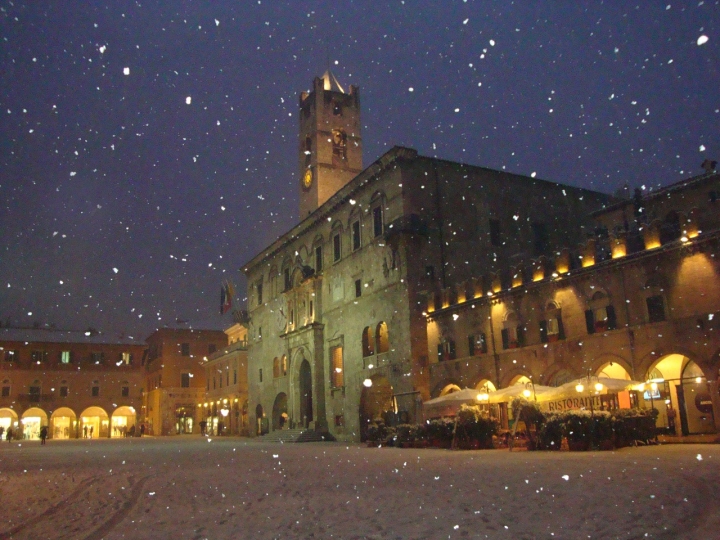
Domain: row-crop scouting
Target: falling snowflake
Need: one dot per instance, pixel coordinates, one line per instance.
(126, 71)
(702, 40)
(188, 100)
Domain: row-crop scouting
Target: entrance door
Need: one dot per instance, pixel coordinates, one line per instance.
(306, 404)
(279, 415)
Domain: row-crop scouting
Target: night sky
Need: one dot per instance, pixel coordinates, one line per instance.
(127, 199)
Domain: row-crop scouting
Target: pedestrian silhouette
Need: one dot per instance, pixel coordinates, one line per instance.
(43, 434)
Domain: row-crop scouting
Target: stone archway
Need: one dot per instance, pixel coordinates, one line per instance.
(306, 393)
(31, 422)
(678, 390)
(376, 402)
(123, 421)
(8, 420)
(279, 413)
(259, 415)
(63, 424)
(94, 423)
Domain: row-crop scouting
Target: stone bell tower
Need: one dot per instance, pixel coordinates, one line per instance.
(330, 146)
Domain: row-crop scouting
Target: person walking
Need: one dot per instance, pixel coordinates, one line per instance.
(91, 431)
(2, 430)
(43, 434)
(9, 434)
(84, 432)
(142, 429)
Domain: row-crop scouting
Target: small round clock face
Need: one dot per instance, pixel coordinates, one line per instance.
(307, 179)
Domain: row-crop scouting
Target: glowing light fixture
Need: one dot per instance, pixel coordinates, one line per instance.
(579, 388)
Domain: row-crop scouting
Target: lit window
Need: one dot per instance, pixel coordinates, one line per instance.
(65, 357)
(336, 367)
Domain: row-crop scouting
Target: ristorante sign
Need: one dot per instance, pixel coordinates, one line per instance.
(567, 404)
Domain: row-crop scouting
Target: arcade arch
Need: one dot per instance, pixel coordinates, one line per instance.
(449, 389)
(678, 390)
(123, 419)
(63, 423)
(376, 403)
(613, 370)
(280, 411)
(32, 420)
(486, 385)
(8, 419)
(94, 423)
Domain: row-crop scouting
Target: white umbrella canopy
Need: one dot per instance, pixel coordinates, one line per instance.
(506, 395)
(609, 386)
(449, 404)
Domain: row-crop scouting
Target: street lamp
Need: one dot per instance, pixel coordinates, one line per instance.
(527, 392)
(598, 387)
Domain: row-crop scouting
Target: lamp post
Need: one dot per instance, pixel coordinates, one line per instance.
(598, 387)
(527, 393)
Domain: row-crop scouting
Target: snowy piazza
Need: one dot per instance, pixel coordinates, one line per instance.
(377, 269)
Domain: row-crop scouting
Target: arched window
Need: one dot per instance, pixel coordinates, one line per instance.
(339, 145)
(601, 315)
(551, 329)
(381, 336)
(308, 151)
(670, 229)
(368, 342)
(512, 332)
(655, 299)
(276, 367)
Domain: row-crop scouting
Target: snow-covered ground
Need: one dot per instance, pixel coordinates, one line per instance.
(233, 488)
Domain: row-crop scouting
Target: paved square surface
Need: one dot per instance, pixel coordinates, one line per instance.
(195, 488)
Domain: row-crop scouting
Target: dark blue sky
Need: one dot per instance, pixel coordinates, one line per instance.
(124, 208)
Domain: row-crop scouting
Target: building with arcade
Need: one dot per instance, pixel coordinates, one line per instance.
(337, 331)
(79, 384)
(638, 299)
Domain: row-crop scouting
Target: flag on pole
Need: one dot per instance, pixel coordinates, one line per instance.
(226, 294)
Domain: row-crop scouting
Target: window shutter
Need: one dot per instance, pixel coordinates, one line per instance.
(543, 332)
(561, 328)
(505, 339)
(590, 321)
(611, 318)
(471, 345)
(521, 335)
